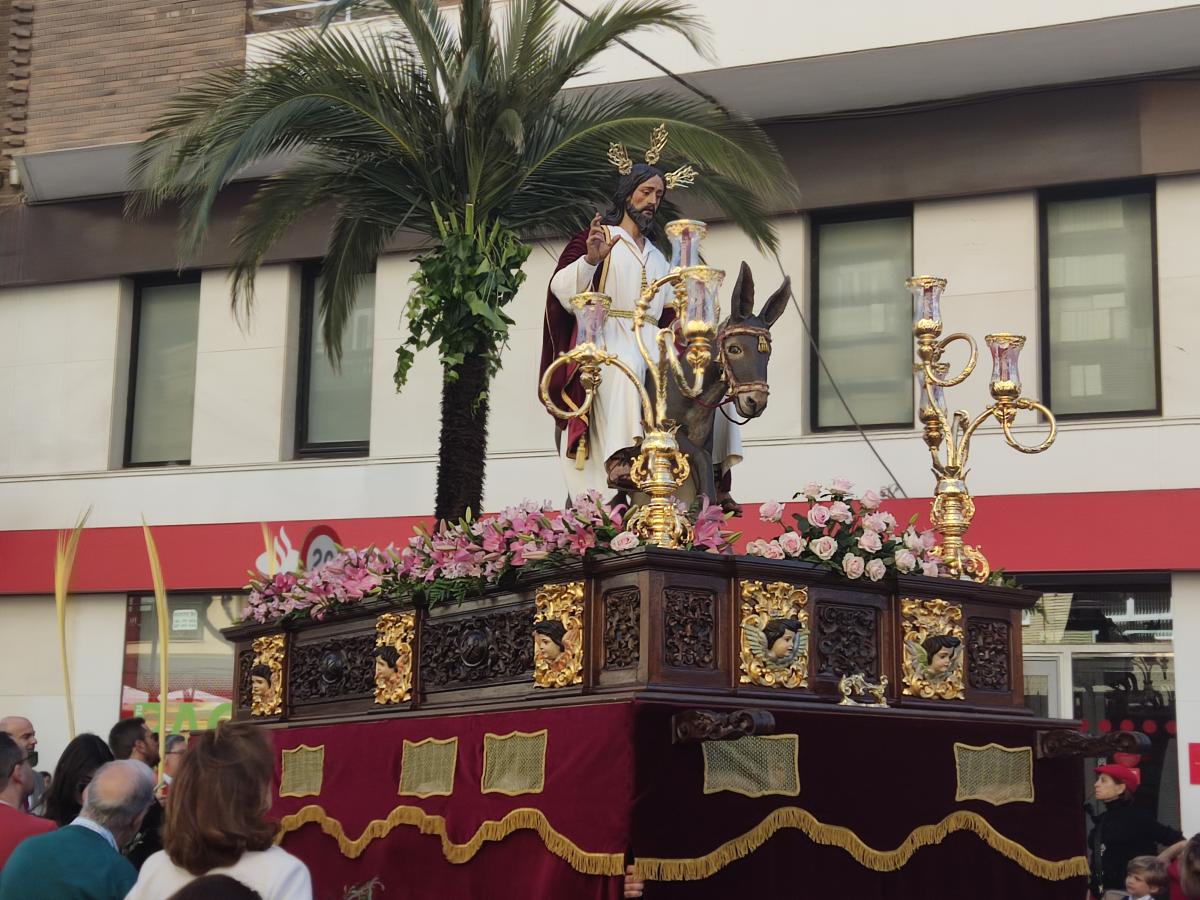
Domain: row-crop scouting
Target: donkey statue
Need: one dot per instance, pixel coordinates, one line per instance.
(737, 376)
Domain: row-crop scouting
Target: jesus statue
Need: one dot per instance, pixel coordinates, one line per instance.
(616, 256)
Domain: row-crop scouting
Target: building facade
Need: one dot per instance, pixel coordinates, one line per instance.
(1042, 157)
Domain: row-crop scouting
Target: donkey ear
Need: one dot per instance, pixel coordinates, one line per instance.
(741, 300)
(778, 302)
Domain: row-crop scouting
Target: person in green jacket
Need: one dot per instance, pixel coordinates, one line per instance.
(82, 861)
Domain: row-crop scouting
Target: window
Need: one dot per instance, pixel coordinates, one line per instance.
(162, 382)
(1099, 343)
(862, 320)
(199, 660)
(334, 404)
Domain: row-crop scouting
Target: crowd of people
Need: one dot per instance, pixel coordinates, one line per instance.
(106, 828)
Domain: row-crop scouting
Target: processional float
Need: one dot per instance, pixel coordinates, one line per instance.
(723, 723)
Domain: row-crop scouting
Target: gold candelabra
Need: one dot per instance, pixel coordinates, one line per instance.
(953, 507)
(660, 467)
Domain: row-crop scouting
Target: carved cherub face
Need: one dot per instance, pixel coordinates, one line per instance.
(382, 669)
(782, 646)
(260, 688)
(545, 648)
(941, 661)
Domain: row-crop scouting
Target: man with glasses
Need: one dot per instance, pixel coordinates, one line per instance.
(21, 730)
(17, 778)
(173, 749)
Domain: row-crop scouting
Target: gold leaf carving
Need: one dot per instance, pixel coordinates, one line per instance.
(266, 694)
(558, 635)
(394, 657)
(933, 649)
(774, 634)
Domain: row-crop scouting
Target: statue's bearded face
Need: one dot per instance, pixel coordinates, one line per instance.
(643, 203)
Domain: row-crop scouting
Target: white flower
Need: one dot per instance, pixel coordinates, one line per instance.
(876, 569)
(823, 547)
(853, 565)
(905, 561)
(870, 542)
(626, 540)
(791, 543)
(929, 569)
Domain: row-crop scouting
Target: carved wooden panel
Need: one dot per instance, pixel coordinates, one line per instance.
(622, 631)
(847, 640)
(337, 667)
(245, 664)
(987, 654)
(495, 646)
(689, 624)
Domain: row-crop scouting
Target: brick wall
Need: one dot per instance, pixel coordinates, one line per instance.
(16, 21)
(103, 70)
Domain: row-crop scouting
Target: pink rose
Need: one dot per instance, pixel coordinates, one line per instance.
(874, 522)
(840, 512)
(870, 500)
(870, 542)
(928, 540)
(812, 490)
(876, 569)
(842, 486)
(791, 543)
(626, 540)
(771, 512)
(929, 569)
(818, 516)
(823, 547)
(773, 551)
(756, 547)
(853, 565)
(905, 561)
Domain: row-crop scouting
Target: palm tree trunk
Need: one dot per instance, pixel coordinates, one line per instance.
(462, 448)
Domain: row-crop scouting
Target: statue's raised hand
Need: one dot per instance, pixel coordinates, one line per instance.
(599, 245)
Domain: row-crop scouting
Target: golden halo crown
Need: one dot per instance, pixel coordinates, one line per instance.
(684, 176)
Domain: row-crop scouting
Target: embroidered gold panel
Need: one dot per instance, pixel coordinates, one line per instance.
(774, 634)
(394, 657)
(427, 767)
(303, 770)
(266, 694)
(753, 765)
(993, 773)
(514, 763)
(558, 635)
(933, 649)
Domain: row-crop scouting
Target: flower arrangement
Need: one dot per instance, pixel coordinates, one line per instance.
(461, 558)
(848, 534)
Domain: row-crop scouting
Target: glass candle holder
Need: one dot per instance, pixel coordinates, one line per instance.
(685, 236)
(591, 312)
(927, 299)
(701, 311)
(1006, 376)
(941, 370)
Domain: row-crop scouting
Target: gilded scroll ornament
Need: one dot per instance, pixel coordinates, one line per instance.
(558, 635)
(266, 676)
(933, 649)
(857, 685)
(774, 634)
(394, 657)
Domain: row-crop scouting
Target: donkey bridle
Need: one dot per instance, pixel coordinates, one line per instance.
(735, 388)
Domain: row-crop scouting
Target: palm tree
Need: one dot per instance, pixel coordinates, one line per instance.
(461, 134)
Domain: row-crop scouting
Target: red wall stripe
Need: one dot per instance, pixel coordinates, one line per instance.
(1088, 532)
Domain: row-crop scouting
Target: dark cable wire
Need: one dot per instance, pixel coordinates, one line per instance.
(795, 303)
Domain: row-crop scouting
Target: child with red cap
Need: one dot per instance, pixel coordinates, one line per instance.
(1123, 830)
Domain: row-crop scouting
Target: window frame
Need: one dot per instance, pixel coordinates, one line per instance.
(1090, 191)
(816, 220)
(140, 283)
(305, 449)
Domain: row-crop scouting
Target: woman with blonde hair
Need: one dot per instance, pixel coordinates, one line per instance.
(216, 821)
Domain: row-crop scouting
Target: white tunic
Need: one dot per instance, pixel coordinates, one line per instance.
(615, 421)
(274, 873)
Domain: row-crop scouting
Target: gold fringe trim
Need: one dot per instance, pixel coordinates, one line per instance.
(491, 830)
(869, 857)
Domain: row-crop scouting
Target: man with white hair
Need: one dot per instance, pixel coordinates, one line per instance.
(83, 859)
(21, 730)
